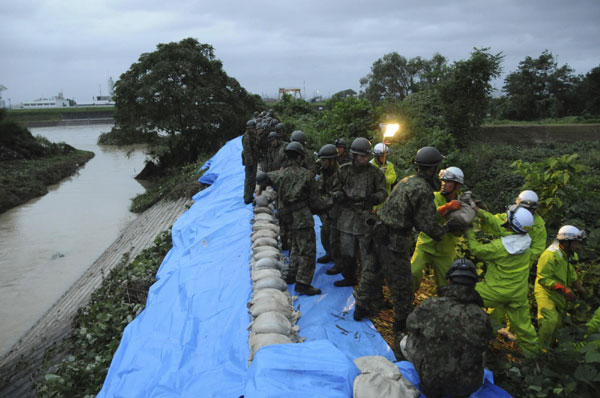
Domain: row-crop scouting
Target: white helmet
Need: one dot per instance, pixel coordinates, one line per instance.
(528, 199)
(519, 219)
(452, 174)
(380, 148)
(569, 232)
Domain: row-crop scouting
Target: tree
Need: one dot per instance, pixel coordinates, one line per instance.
(589, 92)
(181, 90)
(344, 94)
(395, 77)
(540, 89)
(465, 94)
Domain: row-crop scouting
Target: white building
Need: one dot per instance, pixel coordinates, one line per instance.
(53, 102)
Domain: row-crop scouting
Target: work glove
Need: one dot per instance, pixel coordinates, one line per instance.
(339, 196)
(565, 291)
(450, 206)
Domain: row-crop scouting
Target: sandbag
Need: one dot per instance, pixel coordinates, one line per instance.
(262, 200)
(260, 249)
(265, 217)
(270, 304)
(265, 273)
(265, 225)
(275, 255)
(381, 378)
(263, 233)
(272, 283)
(269, 293)
(267, 263)
(274, 322)
(465, 215)
(263, 210)
(265, 242)
(258, 341)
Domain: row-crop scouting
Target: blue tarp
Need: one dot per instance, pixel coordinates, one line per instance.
(191, 339)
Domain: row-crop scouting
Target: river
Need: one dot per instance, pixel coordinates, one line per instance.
(47, 243)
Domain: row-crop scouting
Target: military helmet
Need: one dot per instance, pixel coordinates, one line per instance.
(428, 156)
(272, 136)
(250, 124)
(260, 125)
(296, 147)
(279, 126)
(262, 178)
(528, 199)
(462, 272)
(452, 174)
(298, 136)
(328, 151)
(340, 142)
(360, 146)
(274, 122)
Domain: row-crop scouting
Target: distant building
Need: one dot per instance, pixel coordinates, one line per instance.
(53, 102)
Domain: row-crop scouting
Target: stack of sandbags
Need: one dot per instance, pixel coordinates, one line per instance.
(273, 315)
(380, 378)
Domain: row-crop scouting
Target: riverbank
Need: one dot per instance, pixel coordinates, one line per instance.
(61, 116)
(28, 359)
(25, 179)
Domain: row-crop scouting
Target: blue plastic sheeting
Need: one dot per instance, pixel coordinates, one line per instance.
(312, 369)
(487, 390)
(192, 341)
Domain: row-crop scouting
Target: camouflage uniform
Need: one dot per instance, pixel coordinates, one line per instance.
(330, 236)
(275, 157)
(296, 192)
(409, 205)
(447, 337)
(345, 158)
(250, 162)
(363, 188)
(262, 146)
(308, 160)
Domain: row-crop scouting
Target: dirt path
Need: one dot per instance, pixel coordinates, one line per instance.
(18, 367)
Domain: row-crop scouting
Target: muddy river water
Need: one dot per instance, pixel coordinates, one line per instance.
(49, 242)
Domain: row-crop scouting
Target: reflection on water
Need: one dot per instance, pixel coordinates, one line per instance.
(49, 242)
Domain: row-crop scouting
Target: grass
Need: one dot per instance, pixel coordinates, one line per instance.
(22, 180)
(551, 121)
(48, 115)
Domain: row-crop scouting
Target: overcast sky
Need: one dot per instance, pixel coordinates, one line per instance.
(324, 45)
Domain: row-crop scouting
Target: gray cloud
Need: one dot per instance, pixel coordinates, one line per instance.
(322, 45)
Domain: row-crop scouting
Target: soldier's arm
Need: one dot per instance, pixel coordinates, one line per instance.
(425, 216)
(380, 193)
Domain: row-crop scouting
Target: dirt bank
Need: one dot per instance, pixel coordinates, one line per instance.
(20, 366)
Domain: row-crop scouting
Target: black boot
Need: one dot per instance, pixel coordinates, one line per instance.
(290, 279)
(360, 312)
(303, 288)
(324, 259)
(334, 270)
(399, 326)
(345, 282)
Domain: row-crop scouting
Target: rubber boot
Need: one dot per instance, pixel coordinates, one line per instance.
(360, 312)
(325, 259)
(345, 282)
(290, 279)
(309, 290)
(336, 269)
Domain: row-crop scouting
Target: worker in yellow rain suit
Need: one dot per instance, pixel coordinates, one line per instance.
(492, 224)
(556, 276)
(439, 254)
(379, 160)
(505, 285)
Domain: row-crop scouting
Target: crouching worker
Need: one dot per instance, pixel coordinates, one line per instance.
(556, 277)
(448, 335)
(296, 189)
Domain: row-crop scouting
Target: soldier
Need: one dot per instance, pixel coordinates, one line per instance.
(262, 143)
(343, 155)
(274, 160)
(308, 160)
(410, 205)
(329, 233)
(357, 187)
(505, 287)
(280, 129)
(556, 277)
(448, 335)
(439, 254)
(249, 160)
(296, 192)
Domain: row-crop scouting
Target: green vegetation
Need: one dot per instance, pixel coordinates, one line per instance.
(29, 164)
(25, 116)
(177, 182)
(98, 327)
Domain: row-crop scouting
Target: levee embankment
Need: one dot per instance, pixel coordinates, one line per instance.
(537, 134)
(21, 365)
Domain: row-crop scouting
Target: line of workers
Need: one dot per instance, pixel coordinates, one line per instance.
(368, 218)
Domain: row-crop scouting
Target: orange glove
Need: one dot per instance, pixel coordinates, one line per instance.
(450, 206)
(565, 291)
